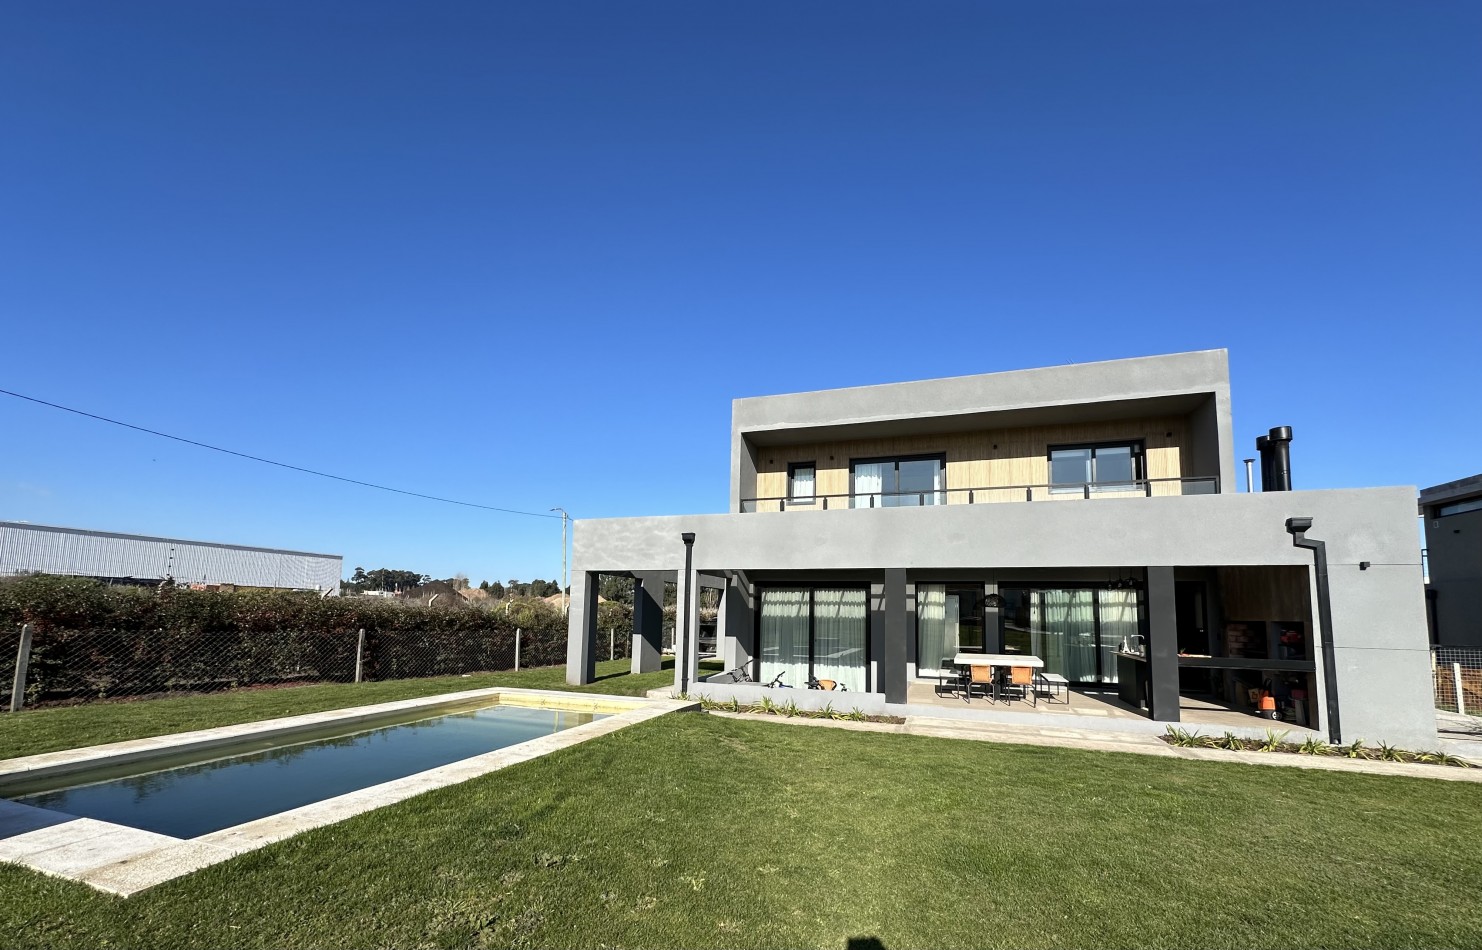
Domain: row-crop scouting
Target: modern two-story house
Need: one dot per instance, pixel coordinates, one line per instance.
(1087, 515)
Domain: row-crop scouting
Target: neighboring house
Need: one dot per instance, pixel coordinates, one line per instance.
(132, 559)
(1453, 543)
(875, 532)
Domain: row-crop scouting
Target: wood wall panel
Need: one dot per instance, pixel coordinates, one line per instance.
(985, 459)
(1267, 592)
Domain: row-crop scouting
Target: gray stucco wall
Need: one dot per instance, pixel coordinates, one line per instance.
(1111, 381)
(1378, 614)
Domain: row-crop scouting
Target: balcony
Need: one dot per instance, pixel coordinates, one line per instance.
(1085, 491)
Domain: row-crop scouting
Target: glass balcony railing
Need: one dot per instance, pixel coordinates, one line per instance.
(1143, 487)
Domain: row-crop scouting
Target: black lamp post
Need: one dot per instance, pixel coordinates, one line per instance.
(682, 654)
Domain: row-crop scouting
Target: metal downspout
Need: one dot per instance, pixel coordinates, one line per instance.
(1298, 528)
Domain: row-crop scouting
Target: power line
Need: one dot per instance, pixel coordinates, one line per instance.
(255, 458)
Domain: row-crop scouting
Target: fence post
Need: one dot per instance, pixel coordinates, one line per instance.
(517, 649)
(611, 644)
(22, 660)
(360, 655)
(1461, 704)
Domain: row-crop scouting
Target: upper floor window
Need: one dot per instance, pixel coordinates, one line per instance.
(898, 482)
(1108, 466)
(801, 477)
(1458, 507)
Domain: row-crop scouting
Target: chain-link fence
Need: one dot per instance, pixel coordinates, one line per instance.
(1457, 673)
(67, 666)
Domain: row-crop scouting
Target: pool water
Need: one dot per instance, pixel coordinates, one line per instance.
(190, 800)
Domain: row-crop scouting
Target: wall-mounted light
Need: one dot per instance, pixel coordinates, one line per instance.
(1363, 565)
(994, 601)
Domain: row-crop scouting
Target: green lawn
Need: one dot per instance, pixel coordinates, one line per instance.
(34, 731)
(700, 831)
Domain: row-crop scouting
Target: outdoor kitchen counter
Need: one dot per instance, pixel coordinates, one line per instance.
(1132, 678)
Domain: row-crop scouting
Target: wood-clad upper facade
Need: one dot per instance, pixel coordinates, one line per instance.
(985, 459)
(1155, 425)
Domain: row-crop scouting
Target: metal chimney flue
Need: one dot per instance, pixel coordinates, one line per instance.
(1263, 448)
(1279, 448)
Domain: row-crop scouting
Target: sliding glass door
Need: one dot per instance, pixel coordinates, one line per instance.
(898, 482)
(1074, 630)
(949, 620)
(784, 636)
(819, 632)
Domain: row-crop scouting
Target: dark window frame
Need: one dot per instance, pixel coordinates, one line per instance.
(812, 589)
(1139, 463)
(982, 589)
(793, 467)
(1459, 507)
(1096, 590)
(939, 457)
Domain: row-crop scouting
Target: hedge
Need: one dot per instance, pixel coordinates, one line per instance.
(90, 640)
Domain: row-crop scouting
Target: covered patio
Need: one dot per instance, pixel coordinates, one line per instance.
(1195, 713)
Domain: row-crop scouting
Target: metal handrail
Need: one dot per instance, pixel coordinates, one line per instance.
(818, 502)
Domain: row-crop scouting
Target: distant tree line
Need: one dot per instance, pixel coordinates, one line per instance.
(514, 588)
(382, 579)
(385, 579)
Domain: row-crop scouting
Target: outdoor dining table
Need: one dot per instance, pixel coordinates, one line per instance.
(998, 659)
(992, 660)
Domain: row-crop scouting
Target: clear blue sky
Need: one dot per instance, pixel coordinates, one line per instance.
(525, 254)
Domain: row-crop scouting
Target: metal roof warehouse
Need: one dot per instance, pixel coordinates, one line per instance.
(45, 549)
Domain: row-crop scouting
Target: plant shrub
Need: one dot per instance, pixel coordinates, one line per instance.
(90, 640)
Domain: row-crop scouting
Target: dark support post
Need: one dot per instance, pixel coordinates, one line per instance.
(891, 662)
(684, 636)
(1298, 528)
(648, 623)
(1162, 645)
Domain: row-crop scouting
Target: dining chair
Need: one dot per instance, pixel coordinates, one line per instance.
(1021, 683)
(980, 676)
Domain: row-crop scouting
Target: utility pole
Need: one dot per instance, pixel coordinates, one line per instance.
(565, 581)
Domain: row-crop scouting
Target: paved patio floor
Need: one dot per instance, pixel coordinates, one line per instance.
(1100, 704)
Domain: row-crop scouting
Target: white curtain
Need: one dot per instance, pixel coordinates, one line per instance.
(934, 648)
(869, 481)
(1064, 627)
(802, 485)
(1118, 622)
(839, 637)
(784, 636)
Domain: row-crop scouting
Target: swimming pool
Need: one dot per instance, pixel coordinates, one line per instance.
(127, 816)
(192, 798)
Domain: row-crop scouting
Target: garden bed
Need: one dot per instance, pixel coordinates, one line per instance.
(791, 710)
(1276, 742)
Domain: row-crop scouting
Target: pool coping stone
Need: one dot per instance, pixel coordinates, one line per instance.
(124, 861)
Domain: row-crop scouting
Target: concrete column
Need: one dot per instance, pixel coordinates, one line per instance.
(1162, 645)
(722, 632)
(581, 629)
(648, 622)
(740, 624)
(686, 630)
(891, 638)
